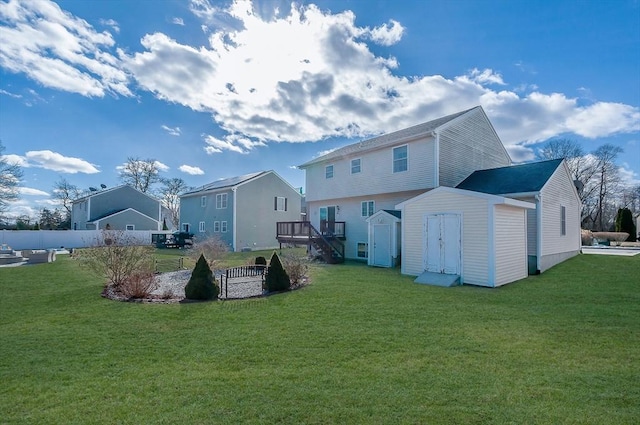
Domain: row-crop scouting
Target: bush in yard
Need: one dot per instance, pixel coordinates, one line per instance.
(138, 285)
(117, 256)
(277, 278)
(213, 249)
(624, 223)
(260, 261)
(296, 267)
(202, 284)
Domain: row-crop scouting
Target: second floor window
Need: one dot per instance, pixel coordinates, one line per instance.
(367, 208)
(328, 172)
(221, 201)
(400, 156)
(356, 166)
(280, 203)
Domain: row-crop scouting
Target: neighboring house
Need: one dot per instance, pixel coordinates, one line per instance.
(350, 184)
(242, 211)
(117, 208)
(554, 225)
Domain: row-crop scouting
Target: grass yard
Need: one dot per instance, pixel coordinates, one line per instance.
(359, 345)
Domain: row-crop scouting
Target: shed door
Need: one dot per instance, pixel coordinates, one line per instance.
(442, 243)
(382, 245)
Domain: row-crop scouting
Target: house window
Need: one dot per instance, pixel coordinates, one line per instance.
(356, 166)
(328, 172)
(363, 250)
(185, 227)
(131, 227)
(280, 203)
(216, 226)
(203, 201)
(367, 208)
(201, 227)
(400, 159)
(223, 226)
(221, 201)
(563, 221)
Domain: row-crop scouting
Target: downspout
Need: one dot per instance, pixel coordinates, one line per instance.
(538, 232)
(436, 156)
(235, 221)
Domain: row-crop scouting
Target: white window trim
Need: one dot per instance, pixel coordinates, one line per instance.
(284, 201)
(224, 227)
(366, 250)
(333, 171)
(186, 227)
(359, 165)
(563, 220)
(203, 201)
(201, 227)
(373, 209)
(222, 205)
(130, 227)
(393, 159)
(216, 227)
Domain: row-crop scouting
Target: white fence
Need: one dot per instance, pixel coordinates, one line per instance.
(53, 239)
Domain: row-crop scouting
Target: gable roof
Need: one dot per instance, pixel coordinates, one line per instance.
(523, 178)
(112, 189)
(226, 183)
(491, 198)
(389, 138)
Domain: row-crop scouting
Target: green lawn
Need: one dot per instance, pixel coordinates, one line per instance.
(359, 345)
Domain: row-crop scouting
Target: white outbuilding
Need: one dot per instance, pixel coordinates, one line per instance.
(453, 236)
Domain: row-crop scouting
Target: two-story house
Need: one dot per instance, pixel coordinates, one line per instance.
(347, 186)
(242, 211)
(117, 208)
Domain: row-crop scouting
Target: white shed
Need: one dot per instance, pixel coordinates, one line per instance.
(384, 238)
(464, 237)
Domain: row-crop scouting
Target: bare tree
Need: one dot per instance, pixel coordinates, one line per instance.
(140, 173)
(66, 193)
(607, 179)
(10, 175)
(170, 197)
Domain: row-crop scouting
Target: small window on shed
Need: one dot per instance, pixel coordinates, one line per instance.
(563, 221)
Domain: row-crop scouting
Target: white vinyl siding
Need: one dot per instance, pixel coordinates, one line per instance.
(367, 208)
(376, 175)
(201, 227)
(221, 201)
(356, 165)
(400, 159)
(468, 145)
(510, 246)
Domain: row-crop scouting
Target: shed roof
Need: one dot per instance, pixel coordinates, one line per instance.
(389, 138)
(523, 178)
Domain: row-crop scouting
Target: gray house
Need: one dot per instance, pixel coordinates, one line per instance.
(117, 208)
(242, 211)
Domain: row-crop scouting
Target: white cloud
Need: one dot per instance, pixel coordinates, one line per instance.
(486, 76)
(387, 34)
(27, 191)
(64, 164)
(58, 50)
(16, 159)
(628, 177)
(178, 21)
(111, 23)
(6, 93)
(175, 131)
(161, 167)
(188, 169)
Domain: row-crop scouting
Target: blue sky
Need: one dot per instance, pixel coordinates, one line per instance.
(215, 89)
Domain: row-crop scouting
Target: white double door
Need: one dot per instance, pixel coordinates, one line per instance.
(442, 243)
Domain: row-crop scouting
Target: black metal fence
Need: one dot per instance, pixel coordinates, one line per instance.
(169, 264)
(243, 275)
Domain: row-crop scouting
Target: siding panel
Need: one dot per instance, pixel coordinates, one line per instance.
(510, 246)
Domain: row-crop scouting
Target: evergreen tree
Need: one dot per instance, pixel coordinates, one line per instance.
(277, 278)
(202, 284)
(624, 223)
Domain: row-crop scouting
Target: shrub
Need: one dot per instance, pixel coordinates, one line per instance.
(277, 278)
(116, 256)
(624, 223)
(202, 284)
(296, 267)
(138, 285)
(260, 261)
(213, 249)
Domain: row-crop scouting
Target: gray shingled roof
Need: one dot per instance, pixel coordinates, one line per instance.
(522, 178)
(224, 183)
(388, 138)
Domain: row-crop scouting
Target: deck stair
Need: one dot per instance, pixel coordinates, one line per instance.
(327, 244)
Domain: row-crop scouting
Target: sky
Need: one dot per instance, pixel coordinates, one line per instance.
(216, 89)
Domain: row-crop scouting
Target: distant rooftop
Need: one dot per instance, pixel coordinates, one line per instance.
(224, 183)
